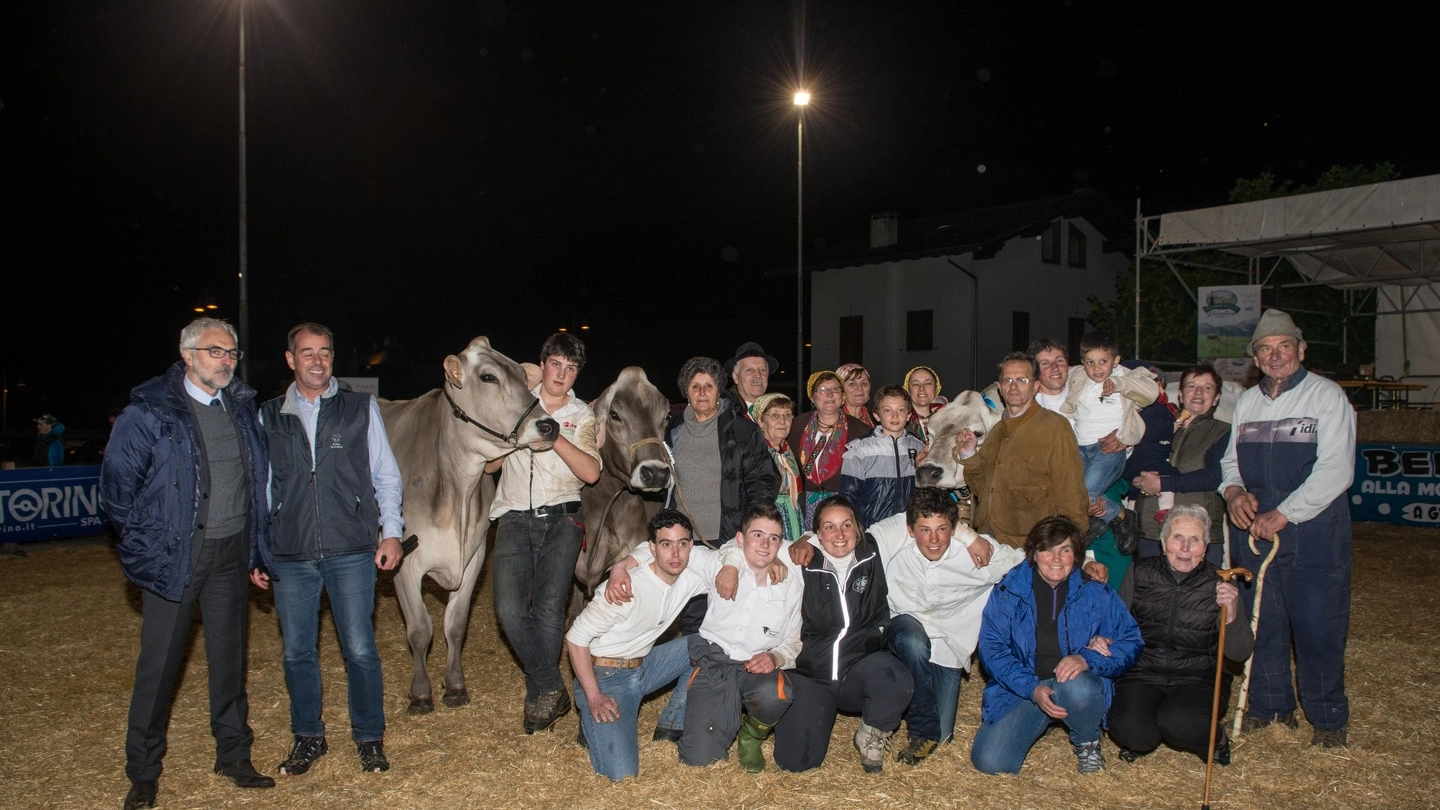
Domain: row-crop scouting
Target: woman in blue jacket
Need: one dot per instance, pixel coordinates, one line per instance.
(1053, 643)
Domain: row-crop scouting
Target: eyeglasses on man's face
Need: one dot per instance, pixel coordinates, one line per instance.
(1009, 381)
(217, 352)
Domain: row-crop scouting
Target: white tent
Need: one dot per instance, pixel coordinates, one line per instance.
(1383, 238)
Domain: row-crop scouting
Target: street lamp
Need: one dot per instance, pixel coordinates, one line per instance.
(244, 326)
(802, 98)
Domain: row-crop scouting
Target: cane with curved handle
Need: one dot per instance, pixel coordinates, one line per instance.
(1254, 627)
(1226, 574)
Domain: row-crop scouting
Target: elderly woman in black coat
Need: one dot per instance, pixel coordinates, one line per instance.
(1176, 599)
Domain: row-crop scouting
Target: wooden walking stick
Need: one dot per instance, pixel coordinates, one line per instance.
(1226, 574)
(1254, 628)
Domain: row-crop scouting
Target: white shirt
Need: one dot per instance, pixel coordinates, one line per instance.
(1097, 415)
(529, 479)
(1052, 402)
(630, 630)
(948, 595)
(761, 618)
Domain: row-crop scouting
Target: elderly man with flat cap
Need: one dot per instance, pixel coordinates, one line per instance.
(750, 370)
(1286, 473)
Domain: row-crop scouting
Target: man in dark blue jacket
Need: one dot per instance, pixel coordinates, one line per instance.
(183, 481)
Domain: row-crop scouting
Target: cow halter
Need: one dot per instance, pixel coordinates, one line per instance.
(459, 413)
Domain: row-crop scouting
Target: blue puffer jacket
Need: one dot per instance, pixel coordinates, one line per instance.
(151, 479)
(1007, 637)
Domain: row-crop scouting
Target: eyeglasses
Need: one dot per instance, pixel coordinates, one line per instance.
(1009, 381)
(826, 390)
(217, 352)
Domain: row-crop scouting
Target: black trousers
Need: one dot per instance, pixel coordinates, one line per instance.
(1142, 716)
(219, 587)
(878, 687)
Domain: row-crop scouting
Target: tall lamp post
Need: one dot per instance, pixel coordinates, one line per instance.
(802, 98)
(244, 225)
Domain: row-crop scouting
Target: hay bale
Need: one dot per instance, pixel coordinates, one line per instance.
(1397, 427)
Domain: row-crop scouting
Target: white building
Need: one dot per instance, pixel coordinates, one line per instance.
(910, 298)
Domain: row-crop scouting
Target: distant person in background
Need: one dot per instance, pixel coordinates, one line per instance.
(857, 392)
(49, 447)
(184, 483)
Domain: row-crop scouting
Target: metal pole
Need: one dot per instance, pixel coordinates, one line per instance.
(244, 326)
(800, 259)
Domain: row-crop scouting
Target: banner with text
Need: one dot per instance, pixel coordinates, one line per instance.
(1396, 484)
(46, 503)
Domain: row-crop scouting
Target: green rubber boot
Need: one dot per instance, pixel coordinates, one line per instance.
(747, 744)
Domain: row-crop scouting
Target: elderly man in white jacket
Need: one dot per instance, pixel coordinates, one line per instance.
(940, 573)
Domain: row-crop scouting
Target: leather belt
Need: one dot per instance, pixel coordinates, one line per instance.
(569, 508)
(617, 663)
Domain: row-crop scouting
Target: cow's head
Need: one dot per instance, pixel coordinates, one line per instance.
(630, 419)
(977, 410)
(491, 394)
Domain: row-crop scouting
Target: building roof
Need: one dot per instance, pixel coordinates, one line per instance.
(981, 231)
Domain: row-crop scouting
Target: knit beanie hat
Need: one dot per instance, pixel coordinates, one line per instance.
(932, 374)
(1273, 323)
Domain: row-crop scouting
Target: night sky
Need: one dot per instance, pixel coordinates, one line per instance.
(424, 172)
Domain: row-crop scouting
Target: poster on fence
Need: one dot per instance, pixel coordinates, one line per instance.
(1396, 484)
(46, 503)
(1226, 318)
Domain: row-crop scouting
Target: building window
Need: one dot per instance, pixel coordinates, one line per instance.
(1074, 333)
(1077, 246)
(1019, 331)
(919, 330)
(1050, 244)
(852, 339)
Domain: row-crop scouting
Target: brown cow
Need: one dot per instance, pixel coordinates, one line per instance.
(630, 419)
(442, 440)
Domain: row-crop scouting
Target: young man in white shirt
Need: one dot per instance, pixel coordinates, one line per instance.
(537, 541)
(612, 647)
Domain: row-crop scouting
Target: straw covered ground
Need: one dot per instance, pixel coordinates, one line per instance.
(68, 632)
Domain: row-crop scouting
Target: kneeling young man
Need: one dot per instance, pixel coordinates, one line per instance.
(750, 635)
(940, 574)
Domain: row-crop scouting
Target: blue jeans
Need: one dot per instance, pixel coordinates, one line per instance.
(672, 717)
(1001, 747)
(931, 715)
(534, 566)
(615, 746)
(349, 581)
(1102, 470)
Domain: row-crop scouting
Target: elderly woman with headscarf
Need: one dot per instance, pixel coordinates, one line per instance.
(775, 413)
(857, 392)
(1176, 599)
(819, 438)
(1038, 639)
(923, 385)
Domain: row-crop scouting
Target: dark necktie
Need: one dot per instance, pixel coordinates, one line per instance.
(215, 403)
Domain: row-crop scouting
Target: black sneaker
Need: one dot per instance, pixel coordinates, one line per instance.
(304, 754)
(1126, 527)
(372, 756)
(1095, 528)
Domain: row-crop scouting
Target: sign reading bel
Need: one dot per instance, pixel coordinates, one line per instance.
(45, 503)
(1396, 484)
